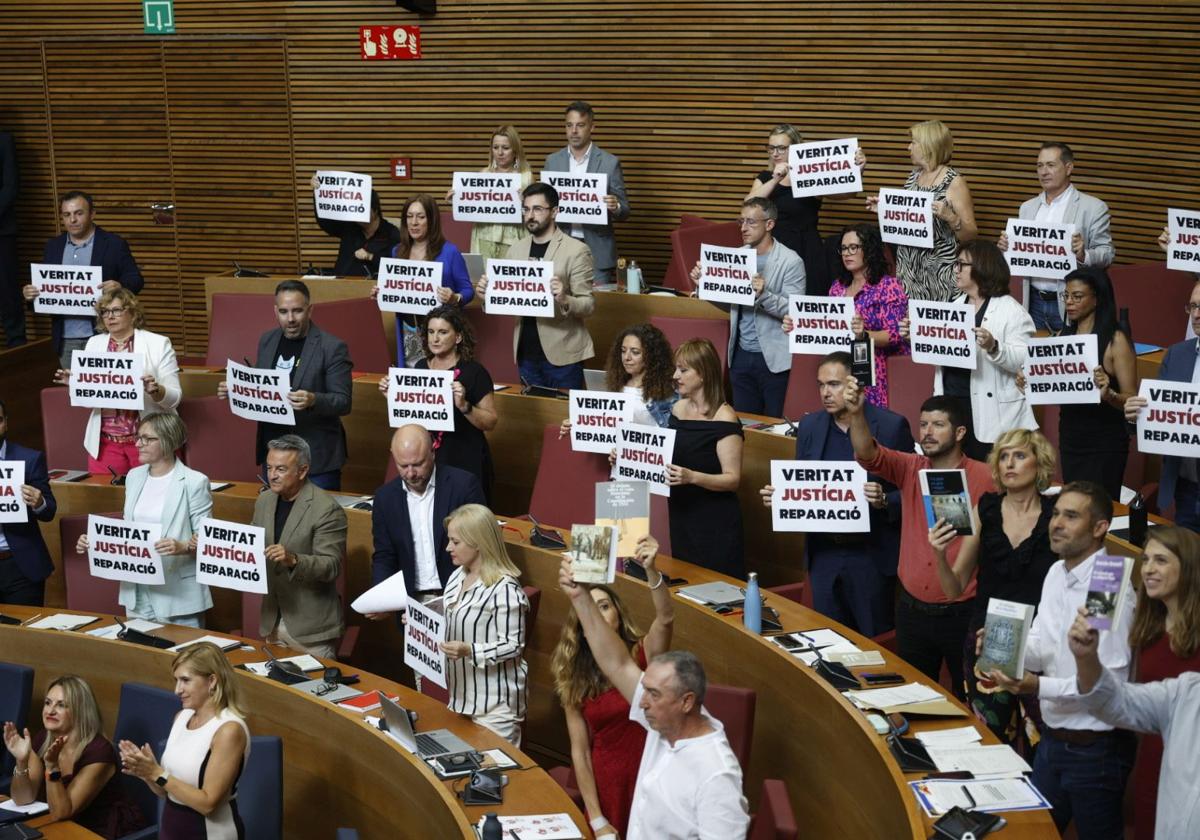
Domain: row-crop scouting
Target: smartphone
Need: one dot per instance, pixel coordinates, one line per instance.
(881, 678)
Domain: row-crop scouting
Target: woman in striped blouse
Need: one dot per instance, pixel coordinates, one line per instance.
(485, 625)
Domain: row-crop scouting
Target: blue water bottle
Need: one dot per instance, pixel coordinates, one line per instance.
(752, 607)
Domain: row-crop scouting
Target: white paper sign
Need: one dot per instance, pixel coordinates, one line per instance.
(423, 397)
(824, 168)
(519, 287)
(66, 289)
(424, 631)
(343, 196)
(1183, 250)
(120, 550)
(231, 555)
(12, 503)
(259, 393)
(595, 417)
(726, 274)
(942, 333)
(826, 497)
(107, 380)
(408, 286)
(1059, 370)
(820, 325)
(906, 217)
(1170, 423)
(389, 595)
(488, 197)
(1039, 249)
(580, 197)
(643, 453)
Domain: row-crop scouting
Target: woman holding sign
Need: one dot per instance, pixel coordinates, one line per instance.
(164, 491)
(706, 519)
(491, 240)
(421, 238)
(110, 434)
(485, 625)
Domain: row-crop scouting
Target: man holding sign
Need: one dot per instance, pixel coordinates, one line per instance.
(24, 561)
(550, 351)
(760, 358)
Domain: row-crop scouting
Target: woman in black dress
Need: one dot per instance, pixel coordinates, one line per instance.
(706, 520)
(450, 345)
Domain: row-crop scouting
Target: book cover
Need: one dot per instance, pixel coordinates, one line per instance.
(946, 497)
(1107, 590)
(862, 366)
(366, 702)
(624, 505)
(593, 553)
(1004, 634)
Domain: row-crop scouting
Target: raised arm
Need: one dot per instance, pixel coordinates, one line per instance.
(955, 580)
(865, 447)
(658, 637)
(607, 648)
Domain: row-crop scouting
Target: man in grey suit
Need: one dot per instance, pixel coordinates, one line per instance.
(1060, 203)
(582, 155)
(759, 357)
(306, 541)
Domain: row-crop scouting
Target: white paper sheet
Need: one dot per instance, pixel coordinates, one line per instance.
(62, 621)
(389, 595)
(996, 760)
(882, 698)
(958, 736)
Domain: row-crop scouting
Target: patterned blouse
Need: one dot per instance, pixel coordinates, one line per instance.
(882, 306)
(928, 273)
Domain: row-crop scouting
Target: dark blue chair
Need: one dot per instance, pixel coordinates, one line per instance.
(347, 834)
(144, 716)
(260, 789)
(16, 684)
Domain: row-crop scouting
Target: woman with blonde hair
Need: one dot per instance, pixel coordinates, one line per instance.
(491, 239)
(205, 753)
(70, 765)
(485, 610)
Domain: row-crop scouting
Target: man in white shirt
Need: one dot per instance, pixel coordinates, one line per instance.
(689, 783)
(1061, 204)
(1081, 763)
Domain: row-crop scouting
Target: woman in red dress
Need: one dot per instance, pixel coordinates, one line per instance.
(1166, 638)
(606, 746)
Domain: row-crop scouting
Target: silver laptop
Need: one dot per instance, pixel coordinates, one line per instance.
(593, 380)
(476, 265)
(427, 744)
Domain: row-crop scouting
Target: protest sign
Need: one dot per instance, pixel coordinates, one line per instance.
(120, 550)
(1170, 422)
(643, 453)
(595, 417)
(1039, 249)
(259, 393)
(488, 197)
(906, 217)
(825, 167)
(820, 325)
(580, 197)
(942, 333)
(343, 196)
(231, 555)
(822, 496)
(424, 632)
(12, 503)
(726, 274)
(423, 397)
(1183, 248)
(1059, 370)
(408, 286)
(66, 289)
(519, 287)
(107, 380)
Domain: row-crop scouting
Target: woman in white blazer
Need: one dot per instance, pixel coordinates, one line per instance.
(165, 491)
(110, 433)
(1003, 328)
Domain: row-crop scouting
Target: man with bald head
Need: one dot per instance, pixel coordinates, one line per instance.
(408, 513)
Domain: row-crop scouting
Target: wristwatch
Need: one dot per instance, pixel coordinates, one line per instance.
(162, 780)
(54, 776)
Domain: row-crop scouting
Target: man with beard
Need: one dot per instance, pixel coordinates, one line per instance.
(550, 351)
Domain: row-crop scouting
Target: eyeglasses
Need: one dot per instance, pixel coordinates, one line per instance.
(777, 150)
(959, 265)
(1074, 297)
(750, 222)
(535, 211)
(145, 440)
(850, 249)
(113, 311)
(1191, 308)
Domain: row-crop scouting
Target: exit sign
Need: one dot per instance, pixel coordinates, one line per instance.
(158, 17)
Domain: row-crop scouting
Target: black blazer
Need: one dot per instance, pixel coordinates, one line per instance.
(392, 530)
(25, 538)
(110, 252)
(8, 185)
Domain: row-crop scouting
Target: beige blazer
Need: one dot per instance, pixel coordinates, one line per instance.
(565, 339)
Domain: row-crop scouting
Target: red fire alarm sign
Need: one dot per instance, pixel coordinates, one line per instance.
(401, 169)
(387, 43)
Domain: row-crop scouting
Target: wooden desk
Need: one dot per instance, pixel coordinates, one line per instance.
(337, 770)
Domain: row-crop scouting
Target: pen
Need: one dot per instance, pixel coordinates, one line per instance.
(970, 798)
(29, 621)
(514, 834)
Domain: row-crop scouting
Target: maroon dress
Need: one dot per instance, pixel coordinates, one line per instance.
(617, 744)
(111, 813)
(1155, 662)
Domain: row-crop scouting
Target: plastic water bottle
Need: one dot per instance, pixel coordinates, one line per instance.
(633, 278)
(752, 607)
(492, 829)
(1137, 521)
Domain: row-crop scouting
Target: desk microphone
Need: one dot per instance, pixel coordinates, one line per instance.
(117, 480)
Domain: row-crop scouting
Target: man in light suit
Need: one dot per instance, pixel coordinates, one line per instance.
(306, 541)
(550, 351)
(580, 156)
(24, 561)
(1060, 203)
(85, 243)
(852, 576)
(759, 357)
(1179, 482)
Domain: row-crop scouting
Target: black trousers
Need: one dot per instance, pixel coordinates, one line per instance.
(929, 634)
(12, 305)
(15, 588)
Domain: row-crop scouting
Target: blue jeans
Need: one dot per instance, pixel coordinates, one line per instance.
(756, 390)
(541, 372)
(1086, 782)
(1044, 312)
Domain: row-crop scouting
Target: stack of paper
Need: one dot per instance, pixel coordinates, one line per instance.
(31, 810)
(805, 644)
(223, 642)
(542, 826)
(304, 662)
(937, 796)
(996, 760)
(960, 736)
(112, 630)
(63, 621)
(899, 695)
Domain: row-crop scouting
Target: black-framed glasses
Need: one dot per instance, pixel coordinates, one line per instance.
(535, 211)
(113, 310)
(145, 440)
(1074, 297)
(850, 249)
(777, 150)
(1191, 308)
(959, 265)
